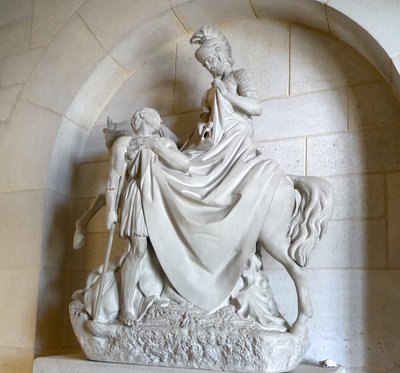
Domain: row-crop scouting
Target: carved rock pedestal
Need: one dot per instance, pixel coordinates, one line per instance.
(177, 336)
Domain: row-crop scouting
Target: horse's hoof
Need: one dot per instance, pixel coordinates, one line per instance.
(299, 329)
(79, 240)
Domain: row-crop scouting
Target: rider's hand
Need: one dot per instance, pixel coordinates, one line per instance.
(219, 85)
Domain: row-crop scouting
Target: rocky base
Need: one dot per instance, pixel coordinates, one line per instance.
(186, 337)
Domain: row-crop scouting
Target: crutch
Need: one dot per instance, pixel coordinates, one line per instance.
(103, 272)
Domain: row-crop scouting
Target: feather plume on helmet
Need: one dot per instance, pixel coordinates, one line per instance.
(210, 38)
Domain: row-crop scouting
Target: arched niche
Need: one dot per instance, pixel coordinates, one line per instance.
(101, 46)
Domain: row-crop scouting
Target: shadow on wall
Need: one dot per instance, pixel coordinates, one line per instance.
(53, 275)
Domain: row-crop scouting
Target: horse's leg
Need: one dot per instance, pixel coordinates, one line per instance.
(274, 239)
(80, 225)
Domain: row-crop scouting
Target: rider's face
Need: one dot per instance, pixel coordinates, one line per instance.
(211, 61)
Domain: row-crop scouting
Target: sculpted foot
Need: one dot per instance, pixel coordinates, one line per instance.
(127, 318)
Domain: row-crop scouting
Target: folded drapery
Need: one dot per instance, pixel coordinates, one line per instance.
(204, 224)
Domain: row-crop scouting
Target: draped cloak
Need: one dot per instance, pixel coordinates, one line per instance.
(204, 224)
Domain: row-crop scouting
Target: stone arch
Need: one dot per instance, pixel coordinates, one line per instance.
(77, 88)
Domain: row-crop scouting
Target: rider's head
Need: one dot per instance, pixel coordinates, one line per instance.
(214, 52)
(146, 122)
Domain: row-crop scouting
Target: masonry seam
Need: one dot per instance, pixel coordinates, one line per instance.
(102, 46)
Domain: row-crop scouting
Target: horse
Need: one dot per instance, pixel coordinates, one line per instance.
(303, 206)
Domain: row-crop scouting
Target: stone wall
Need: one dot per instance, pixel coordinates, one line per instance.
(326, 112)
(65, 65)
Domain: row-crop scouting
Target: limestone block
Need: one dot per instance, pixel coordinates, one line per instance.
(393, 196)
(152, 86)
(194, 14)
(91, 256)
(191, 80)
(14, 11)
(18, 319)
(66, 151)
(50, 311)
(377, 150)
(95, 149)
(21, 230)
(14, 38)
(77, 53)
(360, 11)
(49, 17)
(183, 124)
(307, 12)
(91, 179)
(268, 61)
(319, 61)
(355, 318)
(15, 360)
(360, 39)
(97, 90)
(17, 69)
(26, 165)
(57, 232)
(357, 307)
(131, 52)
(8, 99)
(113, 21)
(290, 154)
(373, 105)
(309, 114)
(352, 244)
(358, 196)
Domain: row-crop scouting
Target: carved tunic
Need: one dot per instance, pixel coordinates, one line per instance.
(132, 219)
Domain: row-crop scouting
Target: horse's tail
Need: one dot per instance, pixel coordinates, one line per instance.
(310, 217)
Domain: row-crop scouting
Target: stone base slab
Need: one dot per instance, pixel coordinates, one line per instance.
(179, 336)
(77, 363)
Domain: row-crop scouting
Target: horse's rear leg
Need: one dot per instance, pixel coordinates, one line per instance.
(274, 239)
(278, 249)
(80, 225)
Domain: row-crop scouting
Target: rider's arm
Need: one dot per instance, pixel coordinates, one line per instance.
(169, 153)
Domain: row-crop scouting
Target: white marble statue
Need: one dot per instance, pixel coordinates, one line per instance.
(198, 221)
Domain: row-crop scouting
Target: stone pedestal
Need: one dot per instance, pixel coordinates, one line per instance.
(182, 336)
(75, 363)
